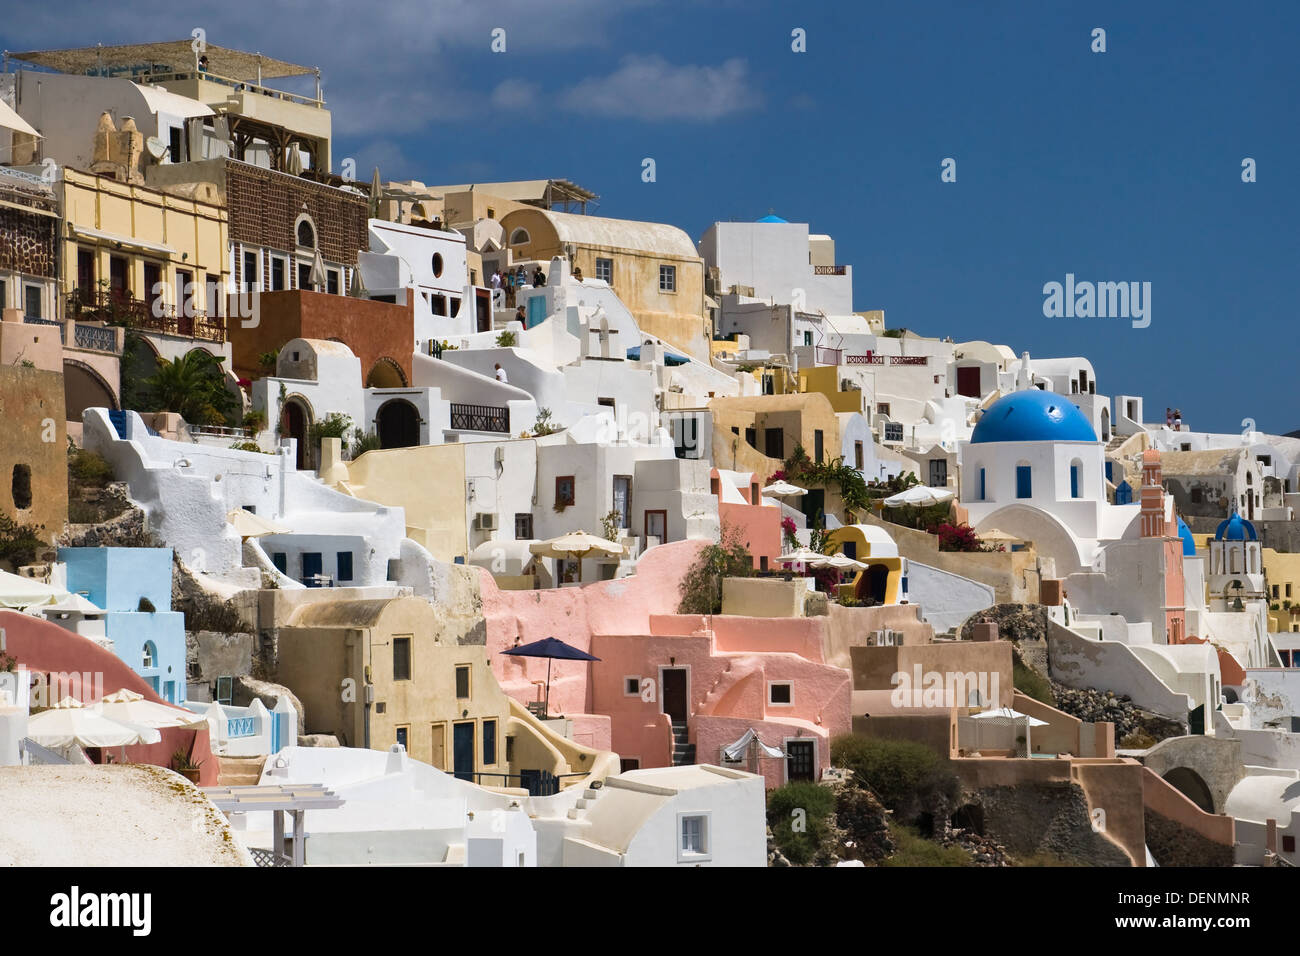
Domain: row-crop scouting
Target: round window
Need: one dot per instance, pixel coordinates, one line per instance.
(437, 265)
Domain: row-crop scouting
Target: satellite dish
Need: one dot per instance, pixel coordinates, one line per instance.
(157, 148)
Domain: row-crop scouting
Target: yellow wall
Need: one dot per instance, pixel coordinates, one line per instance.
(1282, 570)
(835, 543)
(798, 415)
(825, 379)
(197, 231)
(676, 317)
(427, 482)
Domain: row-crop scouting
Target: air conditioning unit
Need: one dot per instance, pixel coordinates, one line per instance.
(485, 521)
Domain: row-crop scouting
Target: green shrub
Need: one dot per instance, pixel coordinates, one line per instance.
(701, 586)
(88, 468)
(912, 849)
(1031, 683)
(145, 605)
(908, 777)
(799, 836)
(363, 442)
(506, 340)
(249, 446)
(20, 543)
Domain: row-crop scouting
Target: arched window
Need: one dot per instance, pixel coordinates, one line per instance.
(437, 265)
(1076, 478)
(520, 237)
(306, 233)
(150, 655)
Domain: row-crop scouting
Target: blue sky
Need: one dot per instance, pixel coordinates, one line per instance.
(1115, 166)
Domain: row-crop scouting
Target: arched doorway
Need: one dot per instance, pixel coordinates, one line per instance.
(1105, 424)
(84, 388)
(140, 361)
(386, 373)
(398, 424)
(873, 583)
(1190, 784)
(297, 424)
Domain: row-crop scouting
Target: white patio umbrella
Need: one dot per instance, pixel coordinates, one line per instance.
(1006, 713)
(840, 562)
(801, 556)
(575, 544)
(9, 119)
(920, 496)
(126, 706)
(783, 489)
(69, 723)
(18, 591)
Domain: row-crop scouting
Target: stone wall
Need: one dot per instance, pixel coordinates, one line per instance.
(1048, 818)
(27, 242)
(1172, 844)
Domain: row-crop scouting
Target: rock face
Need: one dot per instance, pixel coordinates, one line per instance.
(1172, 844)
(213, 654)
(318, 740)
(129, 529)
(1095, 706)
(247, 689)
(1045, 818)
(864, 820)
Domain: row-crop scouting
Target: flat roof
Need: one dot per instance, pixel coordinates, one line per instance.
(165, 56)
(531, 191)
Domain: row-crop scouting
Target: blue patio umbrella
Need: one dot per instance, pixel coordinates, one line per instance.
(552, 649)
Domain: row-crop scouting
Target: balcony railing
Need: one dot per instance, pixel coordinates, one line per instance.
(480, 418)
(34, 320)
(830, 270)
(237, 85)
(96, 337)
(119, 309)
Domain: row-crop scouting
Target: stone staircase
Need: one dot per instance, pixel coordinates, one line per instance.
(589, 796)
(683, 749)
(239, 771)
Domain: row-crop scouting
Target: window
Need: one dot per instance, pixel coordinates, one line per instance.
(402, 736)
(858, 460)
(174, 144)
(462, 682)
(667, 278)
(344, 567)
(32, 301)
(628, 763)
(510, 749)
(304, 275)
(983, 488)
(1288, 589)
(882, 408)
(437, 265)
(1074, 480)
(149, 656)
(605, 270)
(631, 686)
(524, 526)
(1275, 593)
(250, 275)
(1197, 496)
(656, 524)
(438, 305)
(807, 337)
(893, 431)
(332, 281)
(694, 843)
(281, 561)
(938, 472)
(492, 213)
(819, 445)
(1288, 844)
(774, 442)
(489, 742)
(21, 486)
(278, 280)
(564, 490)
(306, 234)
(520, 237)
(1024, 482)
(780, 693)
(401, 658)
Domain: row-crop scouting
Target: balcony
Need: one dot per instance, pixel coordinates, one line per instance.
(830, 270)
(116, 308)
(480, 418)
(94, 338)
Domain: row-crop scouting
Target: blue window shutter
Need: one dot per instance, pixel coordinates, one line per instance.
(1024, 482)
(982, 495)
(1074, 481)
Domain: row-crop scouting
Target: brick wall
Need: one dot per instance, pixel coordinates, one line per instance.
(264, 206)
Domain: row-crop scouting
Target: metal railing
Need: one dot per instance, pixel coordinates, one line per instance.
(118, 308)
(36, 320)
(480, 418)
(830, 270)
(96, 337)
(239, 85)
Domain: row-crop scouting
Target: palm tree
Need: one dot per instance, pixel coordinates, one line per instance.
(193, 386)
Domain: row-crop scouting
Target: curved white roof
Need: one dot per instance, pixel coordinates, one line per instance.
(882, 545)
(1262, 797)
(619, 233)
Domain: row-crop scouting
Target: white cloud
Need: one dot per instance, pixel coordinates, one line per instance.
(514, 95)
(651, 88)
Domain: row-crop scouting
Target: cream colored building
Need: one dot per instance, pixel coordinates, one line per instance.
(652, 267)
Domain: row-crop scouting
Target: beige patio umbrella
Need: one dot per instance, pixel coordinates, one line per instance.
(10, 119)
(69, 723)
(575, 545)
(129, 707)
(839, 562)
(783, 489)
(995, 534)
(249, 525)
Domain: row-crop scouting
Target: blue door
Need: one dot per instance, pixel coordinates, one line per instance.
(463, 751)
(1024, 482)
(311, 565)
(536, 310)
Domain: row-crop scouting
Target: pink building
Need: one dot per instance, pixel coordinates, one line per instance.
(667, 689)
(740, 506)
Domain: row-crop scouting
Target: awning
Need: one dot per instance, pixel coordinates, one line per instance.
(162, 100)
(736, 752)
(10, 119)
(88, 233)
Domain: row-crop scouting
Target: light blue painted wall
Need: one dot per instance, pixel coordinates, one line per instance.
(130, 631)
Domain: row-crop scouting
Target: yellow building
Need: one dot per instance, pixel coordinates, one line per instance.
(138, 251)
(881, 581)
(757, 433)
(652, 267)
(379, 672)
(1282, 579)
(825, 379)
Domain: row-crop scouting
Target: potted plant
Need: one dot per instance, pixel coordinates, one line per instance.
(186, 767)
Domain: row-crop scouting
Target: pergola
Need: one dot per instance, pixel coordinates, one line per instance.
(279, 799)
(148, 60)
